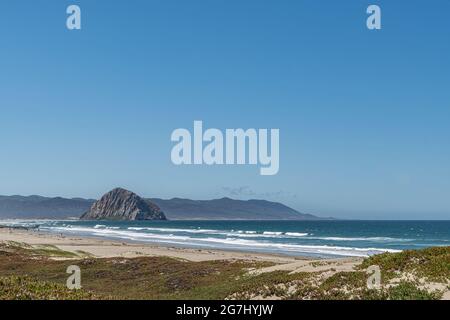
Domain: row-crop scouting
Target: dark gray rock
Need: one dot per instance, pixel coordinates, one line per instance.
(121, 204)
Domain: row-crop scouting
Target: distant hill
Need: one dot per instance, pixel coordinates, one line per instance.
(228, 209)
(37, 207)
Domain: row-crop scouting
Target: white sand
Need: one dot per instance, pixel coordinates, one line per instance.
(109, 248)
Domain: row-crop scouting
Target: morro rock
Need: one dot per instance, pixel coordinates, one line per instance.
(121, 204)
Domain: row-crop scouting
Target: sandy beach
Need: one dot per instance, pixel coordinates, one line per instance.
(109, 249)
(297, 273)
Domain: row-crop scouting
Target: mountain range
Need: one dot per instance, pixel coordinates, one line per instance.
(228, 209)
(38, 207)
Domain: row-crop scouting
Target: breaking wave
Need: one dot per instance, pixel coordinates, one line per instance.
(228, 242)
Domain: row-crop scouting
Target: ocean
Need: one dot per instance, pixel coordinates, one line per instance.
(295, 238)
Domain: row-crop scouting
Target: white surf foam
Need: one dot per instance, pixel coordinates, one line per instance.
(272, 233)
(296, 234)
(229, 242)
(373, 239)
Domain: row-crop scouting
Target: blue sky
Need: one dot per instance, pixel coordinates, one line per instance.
(363, 115)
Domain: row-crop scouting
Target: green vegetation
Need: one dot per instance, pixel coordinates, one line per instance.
(277, 284)
(433, 264)
(39, 250)
(138, 278)
(40, 273)
(24, 288)
(52, 251)
(352, 286)
(409, 291)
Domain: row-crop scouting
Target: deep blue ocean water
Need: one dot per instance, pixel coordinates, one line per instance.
(302, 238)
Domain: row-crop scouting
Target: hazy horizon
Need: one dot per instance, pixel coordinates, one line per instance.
(341, 215)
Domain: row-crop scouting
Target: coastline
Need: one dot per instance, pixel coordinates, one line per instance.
(105, 248)
(315, 239)
(170, 272)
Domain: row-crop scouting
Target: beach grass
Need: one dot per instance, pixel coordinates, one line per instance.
(40, 273)
(26, 288)
(432, 264)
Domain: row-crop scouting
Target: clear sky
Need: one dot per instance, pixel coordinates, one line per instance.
(364, 116)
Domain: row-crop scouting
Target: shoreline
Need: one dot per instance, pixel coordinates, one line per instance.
(99, 248)
(286, 274)
(278, 240)
(109, 248)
